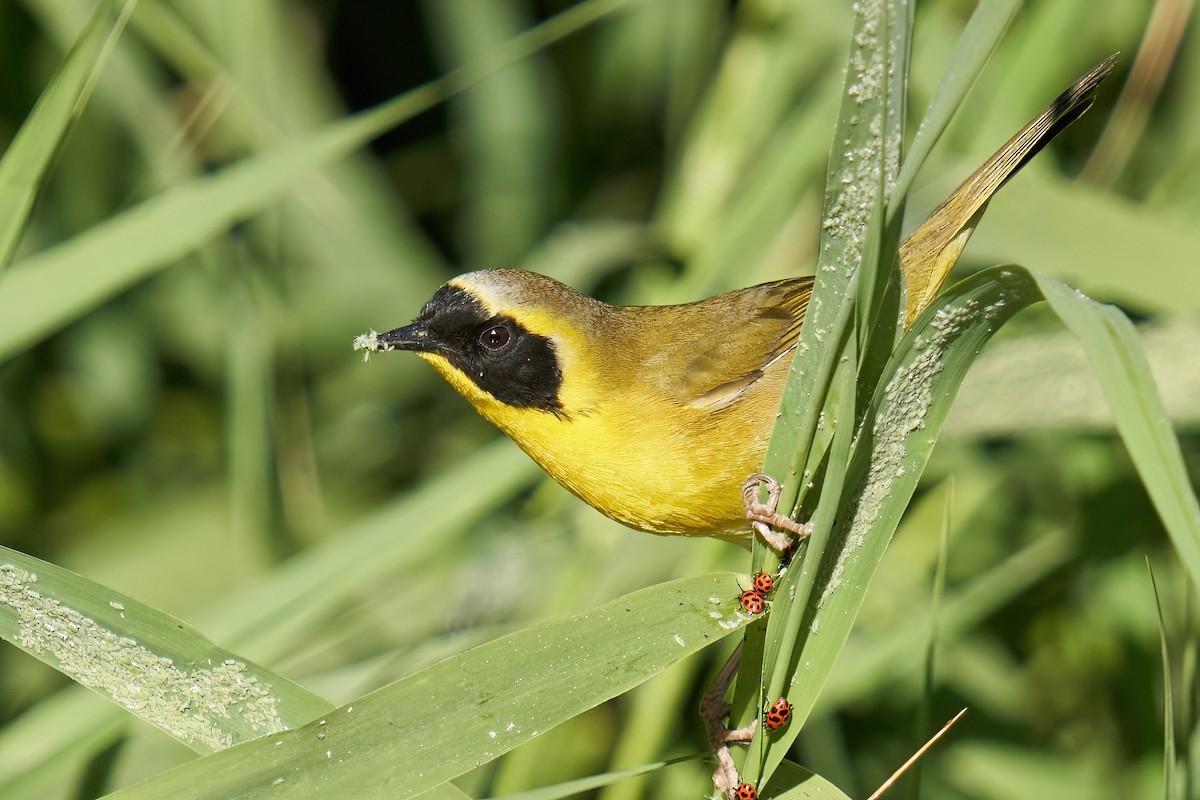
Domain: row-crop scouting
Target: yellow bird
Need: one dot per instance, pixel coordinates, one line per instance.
(656, 415)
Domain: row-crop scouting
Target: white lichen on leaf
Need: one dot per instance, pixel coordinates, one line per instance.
(907, 398)
(187, 703)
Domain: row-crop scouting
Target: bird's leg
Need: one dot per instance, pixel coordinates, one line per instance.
(713, 709)
(763, 516)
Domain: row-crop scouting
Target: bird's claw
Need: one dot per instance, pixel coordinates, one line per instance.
(764, 517)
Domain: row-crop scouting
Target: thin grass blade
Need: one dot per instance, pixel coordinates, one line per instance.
(27, 159)
(793, 782)
(971, 53)
(598, 781)
(1112, 348)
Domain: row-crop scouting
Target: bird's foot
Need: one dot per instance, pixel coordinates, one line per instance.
(764, 517)
(713, 710)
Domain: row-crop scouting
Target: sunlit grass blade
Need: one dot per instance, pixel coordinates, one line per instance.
(854, 243)
(27, 159)
(467, 710)
(855, 188)
(971, 53)
(145, 661)
(889, 455)
(271, 614)
(1112, 348)
(793, 782)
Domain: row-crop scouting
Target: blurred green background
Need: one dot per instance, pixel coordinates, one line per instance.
(194, 427)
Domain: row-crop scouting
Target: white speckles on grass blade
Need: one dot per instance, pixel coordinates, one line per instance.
(184, 703)
(818, 401)
(485, 702)
(907, 398)
(890, 451)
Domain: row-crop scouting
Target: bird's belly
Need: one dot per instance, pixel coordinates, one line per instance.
(683, 480)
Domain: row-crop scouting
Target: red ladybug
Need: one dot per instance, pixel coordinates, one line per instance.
(762, 583)
(745, 792)
(752, 601)
(778, 715)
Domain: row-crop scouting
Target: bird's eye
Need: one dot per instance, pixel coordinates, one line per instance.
(495, 337)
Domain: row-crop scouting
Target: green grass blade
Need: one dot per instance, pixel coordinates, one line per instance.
(467, 710)
(1112, 348)
(507, 133)
(971, 54)
(903, 421)
(1171, 788)
(793, 782)
(854, 243)
(145, 661)
(271, 614)
(447, 791)
(27, 159)
(573, 788)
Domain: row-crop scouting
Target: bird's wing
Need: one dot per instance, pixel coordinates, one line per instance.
(733, 339)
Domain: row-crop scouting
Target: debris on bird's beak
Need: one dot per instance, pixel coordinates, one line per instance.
(367, 342)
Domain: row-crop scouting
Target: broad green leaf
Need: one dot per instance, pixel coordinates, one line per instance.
(27, 159)
(145, 661)
(467, 710)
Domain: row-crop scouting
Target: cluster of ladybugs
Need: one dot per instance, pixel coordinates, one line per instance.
(754, 600)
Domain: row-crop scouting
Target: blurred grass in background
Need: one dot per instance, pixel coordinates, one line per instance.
(181, 433)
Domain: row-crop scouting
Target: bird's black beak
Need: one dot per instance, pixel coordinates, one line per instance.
(414, 336)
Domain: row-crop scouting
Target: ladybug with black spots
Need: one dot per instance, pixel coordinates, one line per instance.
(762, 583)
(778, 715)
(752, 601)
(745, 792)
